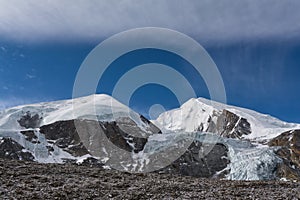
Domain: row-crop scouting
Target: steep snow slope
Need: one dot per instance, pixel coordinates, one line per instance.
(197, 113)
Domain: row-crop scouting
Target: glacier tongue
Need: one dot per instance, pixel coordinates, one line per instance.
(252, 163)
(247, 161)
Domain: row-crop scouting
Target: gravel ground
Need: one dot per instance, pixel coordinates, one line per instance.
(28, 180)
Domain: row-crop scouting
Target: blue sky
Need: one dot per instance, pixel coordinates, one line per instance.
(255, 44)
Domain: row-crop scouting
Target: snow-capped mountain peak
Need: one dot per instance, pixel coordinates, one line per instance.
(206, 115)
(50, 130)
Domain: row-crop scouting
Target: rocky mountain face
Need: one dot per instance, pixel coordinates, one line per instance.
(191, 163)
(220, 121)
(64, 134)
(229, 125)
(9, 149)
(247, 145)
(289, 152)
(67, 130)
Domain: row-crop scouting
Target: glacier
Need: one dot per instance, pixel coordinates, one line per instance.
(248, 161)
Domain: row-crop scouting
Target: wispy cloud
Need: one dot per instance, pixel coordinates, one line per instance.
(35, 20)
(3, 49)
(30, 76)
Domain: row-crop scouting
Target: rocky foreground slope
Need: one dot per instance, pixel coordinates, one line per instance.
(31, 180)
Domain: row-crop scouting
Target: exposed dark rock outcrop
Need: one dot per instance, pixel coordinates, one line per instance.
(30, 121)
(9, 149)
(290, 154)
(91, 162)
(64, 134)
(122, 139)
(30, 136)
(152, 127)
(229, 125)
(191, 163)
